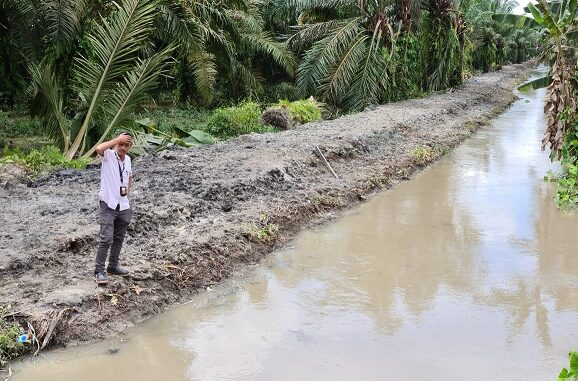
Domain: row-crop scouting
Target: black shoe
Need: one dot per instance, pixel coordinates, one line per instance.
(100, 277)
(118, 270)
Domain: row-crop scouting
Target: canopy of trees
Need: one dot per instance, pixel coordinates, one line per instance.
(84, 67)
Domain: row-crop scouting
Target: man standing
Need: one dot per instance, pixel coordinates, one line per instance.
(115, 212)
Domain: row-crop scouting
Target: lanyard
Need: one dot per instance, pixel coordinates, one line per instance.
(120, 171)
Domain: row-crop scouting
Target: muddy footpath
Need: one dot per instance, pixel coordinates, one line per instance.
(203, 214)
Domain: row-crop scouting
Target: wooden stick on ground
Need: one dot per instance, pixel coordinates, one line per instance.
(327, 163)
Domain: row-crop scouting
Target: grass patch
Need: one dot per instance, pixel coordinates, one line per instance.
(424, 154)
(15, 124)
(263, 230)
(38, 161)
(17, 129)
(9, 345)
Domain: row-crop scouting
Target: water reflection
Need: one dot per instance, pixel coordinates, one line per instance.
(469, 269)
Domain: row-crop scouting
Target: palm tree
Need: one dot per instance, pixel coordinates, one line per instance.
(110, 80)
(90, 73)
(443, 39)
(346, 51)
(219, 37)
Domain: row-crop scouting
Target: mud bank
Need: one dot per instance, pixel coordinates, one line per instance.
(202, 214)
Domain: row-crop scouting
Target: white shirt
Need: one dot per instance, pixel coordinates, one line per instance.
(110, 179)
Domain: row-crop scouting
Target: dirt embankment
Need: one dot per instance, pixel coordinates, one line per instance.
(202, 213)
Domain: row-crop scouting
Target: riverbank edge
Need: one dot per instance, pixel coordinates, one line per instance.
(100, 317)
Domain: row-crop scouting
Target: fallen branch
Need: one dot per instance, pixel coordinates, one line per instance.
(52, 326)
(327, 163)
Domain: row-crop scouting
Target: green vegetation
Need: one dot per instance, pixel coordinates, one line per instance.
(302, 111)
(38, 161)
(424, 154)
(15, 123)
(84, 70)
(9, 346)
(567, 194)
(556, 24)
(234, 121)
(572, 373)
(263, 230)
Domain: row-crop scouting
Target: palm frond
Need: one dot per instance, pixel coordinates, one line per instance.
(48, 103)
(115, 43)
(64, 21)
(173, 23)
(325, 54)
(443, 66)
(301, 5)
(126, 95)
(341, 76)
(307, 34)
(204, 69)
(245, 21)
(247, 78)
(370, 79)
(264, 43)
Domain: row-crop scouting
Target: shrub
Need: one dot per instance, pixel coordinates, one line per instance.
(239, 120)
(302, 111)
(283, 90)
(15, 124)
(567, 193)
(277, 117)
(38, 161)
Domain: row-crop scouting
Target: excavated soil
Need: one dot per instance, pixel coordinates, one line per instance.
(202, 214)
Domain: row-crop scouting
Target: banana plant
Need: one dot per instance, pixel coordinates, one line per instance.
(557, 24)
(147, 134)
(555, 20)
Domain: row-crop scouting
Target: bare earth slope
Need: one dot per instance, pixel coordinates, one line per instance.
(200, 214)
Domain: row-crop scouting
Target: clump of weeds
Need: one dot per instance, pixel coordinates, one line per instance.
(424, 154)
(263, 231)
(324, 200)
(9, 332)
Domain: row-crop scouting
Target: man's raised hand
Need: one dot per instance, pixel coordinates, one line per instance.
(124, 139)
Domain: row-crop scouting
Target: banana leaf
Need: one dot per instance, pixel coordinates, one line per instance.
(153, 139)
(147, 125)
(539, 83)
(194, 137)
(180, 132)
(517, 21)
(554, 7)
(200, 137)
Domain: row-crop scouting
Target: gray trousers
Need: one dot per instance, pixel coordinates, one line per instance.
(113, 225)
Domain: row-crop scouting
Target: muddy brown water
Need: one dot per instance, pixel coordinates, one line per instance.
(468, 271)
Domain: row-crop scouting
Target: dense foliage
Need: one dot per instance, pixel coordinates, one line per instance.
(86, 68)
(557, 22)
